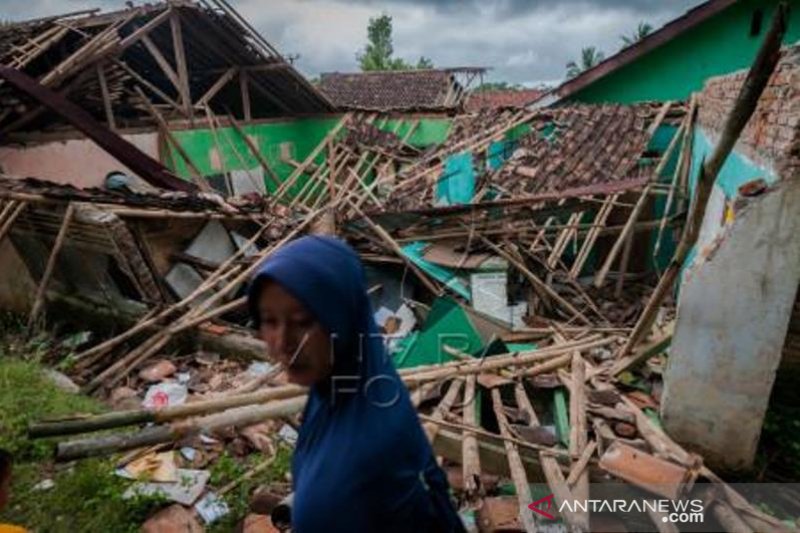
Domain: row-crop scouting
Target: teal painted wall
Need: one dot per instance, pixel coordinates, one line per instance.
(737, 169)
(676, 69)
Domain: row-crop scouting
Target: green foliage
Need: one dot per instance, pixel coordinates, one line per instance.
(642, 30)
(590, 56)
(379, 51)
(424, 63)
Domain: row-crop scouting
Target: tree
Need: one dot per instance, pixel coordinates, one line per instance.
(590, 56)
(379, 51)
(424, 62)
(498, 86)
(642, 30)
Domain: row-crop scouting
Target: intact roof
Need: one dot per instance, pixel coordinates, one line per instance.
(629, 54)
(502, 98)
(427, 89)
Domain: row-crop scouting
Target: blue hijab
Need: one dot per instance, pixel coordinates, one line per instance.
(362, 462)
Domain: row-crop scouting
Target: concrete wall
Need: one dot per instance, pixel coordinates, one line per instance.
(674, 70)
(79, 162)
(733, 315)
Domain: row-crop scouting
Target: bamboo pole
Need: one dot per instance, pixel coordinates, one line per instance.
(685, 149)
(49, 428)
(600, 277)
(239, 417)
(392, 245)
(591, 237)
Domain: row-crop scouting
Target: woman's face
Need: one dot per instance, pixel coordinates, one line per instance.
(294, 336)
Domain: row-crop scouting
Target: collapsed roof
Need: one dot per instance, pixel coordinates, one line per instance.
(183, 58)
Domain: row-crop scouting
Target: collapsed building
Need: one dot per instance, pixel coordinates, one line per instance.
(153, 157)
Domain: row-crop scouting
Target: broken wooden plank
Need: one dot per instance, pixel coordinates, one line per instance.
(515, 465)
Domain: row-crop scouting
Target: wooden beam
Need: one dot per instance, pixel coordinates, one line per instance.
(132, 157)
(197, 176)
(162, 62)
(217, 86)
(136, 36)
(15, 210)
(180, 60)
(101, 75)
(147, 85)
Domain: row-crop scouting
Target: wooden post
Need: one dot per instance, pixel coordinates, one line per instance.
(51, 263)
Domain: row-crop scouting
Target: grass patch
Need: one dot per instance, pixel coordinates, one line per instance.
(86, 495)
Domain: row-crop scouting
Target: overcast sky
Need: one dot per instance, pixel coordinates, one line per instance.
(524, 41)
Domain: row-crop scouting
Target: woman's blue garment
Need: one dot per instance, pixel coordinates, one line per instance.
(362, 462)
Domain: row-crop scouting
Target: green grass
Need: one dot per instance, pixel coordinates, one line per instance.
(87, 496)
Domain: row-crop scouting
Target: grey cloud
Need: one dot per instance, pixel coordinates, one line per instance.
(523, 41)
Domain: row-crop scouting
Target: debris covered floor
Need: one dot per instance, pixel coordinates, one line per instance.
(523, 270)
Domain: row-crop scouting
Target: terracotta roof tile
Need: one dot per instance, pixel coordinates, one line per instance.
(400, 89)
(502, 98)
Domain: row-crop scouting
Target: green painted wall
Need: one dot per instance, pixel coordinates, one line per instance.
(673, 71)
(202, 146)
(225, 151)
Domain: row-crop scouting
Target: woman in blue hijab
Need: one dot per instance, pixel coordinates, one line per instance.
(362, 462)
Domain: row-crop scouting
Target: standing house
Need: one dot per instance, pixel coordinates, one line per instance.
(715, 38)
